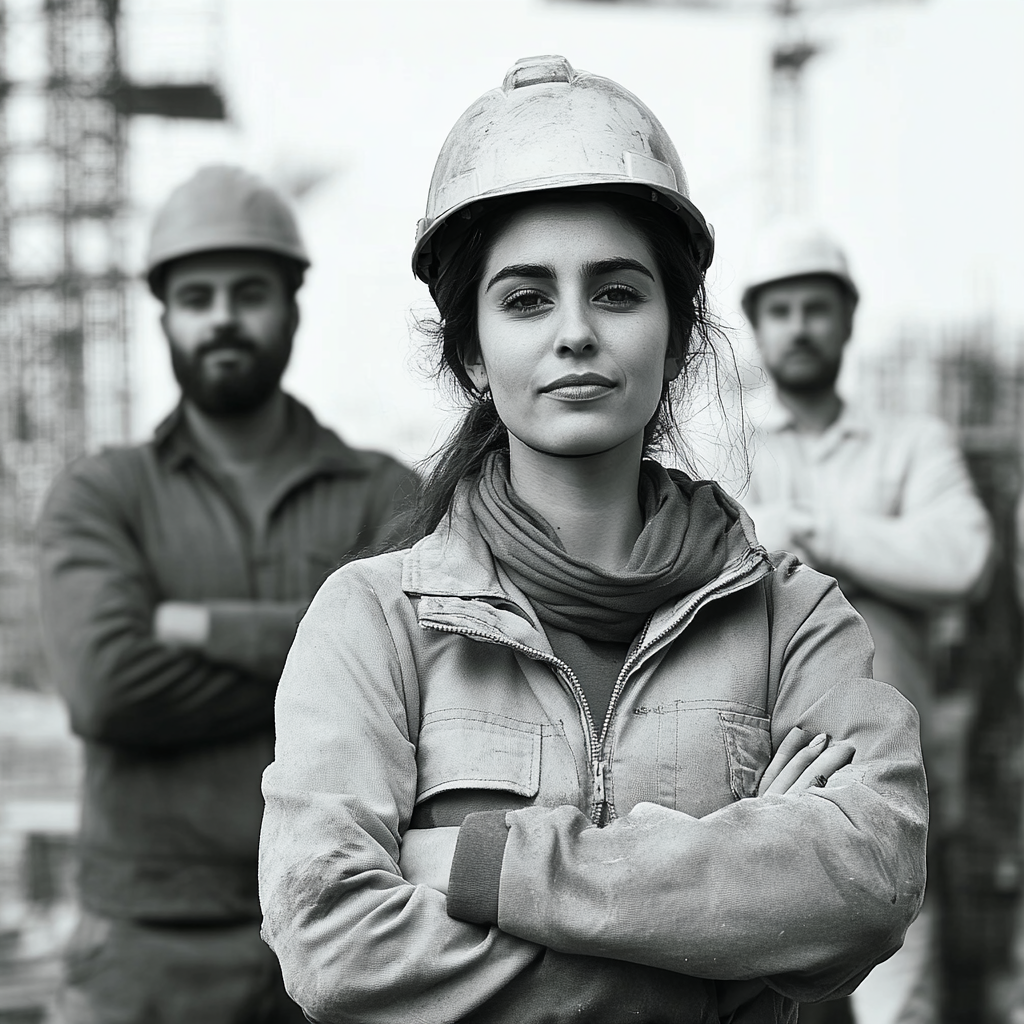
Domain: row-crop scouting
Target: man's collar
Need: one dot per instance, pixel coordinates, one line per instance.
(850, 422)
(323, 451)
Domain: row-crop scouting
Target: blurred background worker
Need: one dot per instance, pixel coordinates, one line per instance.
(173, 576)
(883, 503)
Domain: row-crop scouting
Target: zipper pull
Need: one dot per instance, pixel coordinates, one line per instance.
(599, 769)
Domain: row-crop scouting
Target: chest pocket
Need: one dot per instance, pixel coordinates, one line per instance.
(462, 749)
(707, 757)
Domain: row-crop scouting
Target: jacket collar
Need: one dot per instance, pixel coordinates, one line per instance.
(455, 573)
(323, 452)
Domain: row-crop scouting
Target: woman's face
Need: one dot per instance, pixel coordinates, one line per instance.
(574, 329)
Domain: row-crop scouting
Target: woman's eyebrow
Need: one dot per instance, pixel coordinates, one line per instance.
(614, 265)
(521, 270)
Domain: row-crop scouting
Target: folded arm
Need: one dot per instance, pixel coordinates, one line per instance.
(806, 889)
(935, 549)
(122, 684)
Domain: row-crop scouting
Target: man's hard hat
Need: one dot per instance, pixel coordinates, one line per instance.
(794, 248)
(222, 207)
(550, 126)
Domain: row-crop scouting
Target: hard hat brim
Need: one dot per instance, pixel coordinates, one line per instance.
(425, 258)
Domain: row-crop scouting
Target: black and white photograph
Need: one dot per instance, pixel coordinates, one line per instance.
(511, 512)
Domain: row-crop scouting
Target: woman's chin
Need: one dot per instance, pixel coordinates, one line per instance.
(574, 447)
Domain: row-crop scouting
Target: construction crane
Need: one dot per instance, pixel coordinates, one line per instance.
(792, 50)
(65, 104)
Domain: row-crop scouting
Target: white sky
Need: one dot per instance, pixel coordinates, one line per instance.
(917, 163)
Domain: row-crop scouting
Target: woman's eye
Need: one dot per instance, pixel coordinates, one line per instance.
(525, 300)
(618, 295)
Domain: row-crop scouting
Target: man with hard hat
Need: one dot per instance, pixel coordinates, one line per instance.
(883, 503)
(173, 575)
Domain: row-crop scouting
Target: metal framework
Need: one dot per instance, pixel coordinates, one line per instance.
(64, 368)
(787, 163)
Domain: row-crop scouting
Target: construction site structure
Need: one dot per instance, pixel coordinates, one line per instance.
(786, 173)
(65, 104)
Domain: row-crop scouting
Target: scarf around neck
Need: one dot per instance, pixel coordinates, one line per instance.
(681, 547)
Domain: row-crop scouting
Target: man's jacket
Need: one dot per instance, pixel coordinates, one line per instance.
(176, 740)
(422, 673)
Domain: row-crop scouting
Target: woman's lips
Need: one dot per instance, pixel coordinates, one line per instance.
(579, 387)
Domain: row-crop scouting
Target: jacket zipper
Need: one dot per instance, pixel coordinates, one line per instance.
(722, 587)
(568, 679)
(596, 743)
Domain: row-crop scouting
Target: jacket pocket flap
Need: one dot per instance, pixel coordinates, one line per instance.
(474, 751)
(748, 742)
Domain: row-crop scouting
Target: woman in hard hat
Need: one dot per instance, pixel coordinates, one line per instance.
(569, 757)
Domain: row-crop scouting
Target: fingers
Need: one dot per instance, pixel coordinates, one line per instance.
(801, 760)
(837, 756)
(796, 739)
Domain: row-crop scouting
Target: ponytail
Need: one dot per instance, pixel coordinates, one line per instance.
(478, 434)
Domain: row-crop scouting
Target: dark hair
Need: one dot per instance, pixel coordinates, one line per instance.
(481, 431)
(292, 271)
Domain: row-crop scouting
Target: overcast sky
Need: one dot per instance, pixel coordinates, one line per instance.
(917, 161)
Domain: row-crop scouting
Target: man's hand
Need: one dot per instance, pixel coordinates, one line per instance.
(783, 527)
(181, 624)
(803, 762)
(427, 855)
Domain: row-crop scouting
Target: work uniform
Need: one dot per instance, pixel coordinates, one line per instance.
(176, 740)
(898, 523)
(437, 662)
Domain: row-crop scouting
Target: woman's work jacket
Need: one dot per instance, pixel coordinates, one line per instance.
(426, 671)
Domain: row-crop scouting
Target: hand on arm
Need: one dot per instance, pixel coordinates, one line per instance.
(802, 762)
(784, 527)
(760, 883)
(934, 548)
(128, 668)
(182, 624)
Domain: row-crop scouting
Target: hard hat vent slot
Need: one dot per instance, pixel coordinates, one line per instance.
(538, 71)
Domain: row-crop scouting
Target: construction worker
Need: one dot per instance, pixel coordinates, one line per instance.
(173, 576)
(883, 503)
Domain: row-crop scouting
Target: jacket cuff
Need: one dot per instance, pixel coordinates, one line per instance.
(476, 868)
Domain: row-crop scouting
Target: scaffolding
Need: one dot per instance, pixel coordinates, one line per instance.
(65, 104)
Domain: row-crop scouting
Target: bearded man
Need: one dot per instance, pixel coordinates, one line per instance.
(883, 503)
(173, 576)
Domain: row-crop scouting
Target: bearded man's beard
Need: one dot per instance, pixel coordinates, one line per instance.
(235, 392)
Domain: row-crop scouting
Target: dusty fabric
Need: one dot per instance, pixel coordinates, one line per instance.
(420, 673)
(681, 547)
(176, 739)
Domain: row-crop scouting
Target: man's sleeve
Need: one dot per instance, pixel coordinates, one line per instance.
(935, 549)
(396, 492)
(98, 597)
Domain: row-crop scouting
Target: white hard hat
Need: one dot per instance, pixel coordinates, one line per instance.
(550, 126)
(223, 207)
(794, 248)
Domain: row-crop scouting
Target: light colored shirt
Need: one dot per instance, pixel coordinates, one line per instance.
(892, 514)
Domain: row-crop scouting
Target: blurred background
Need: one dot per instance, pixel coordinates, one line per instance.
(895, 124)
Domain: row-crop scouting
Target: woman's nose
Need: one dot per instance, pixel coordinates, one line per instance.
(575, 334)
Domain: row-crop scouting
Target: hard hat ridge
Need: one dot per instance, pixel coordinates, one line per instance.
(551, 126)
(223, 207)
